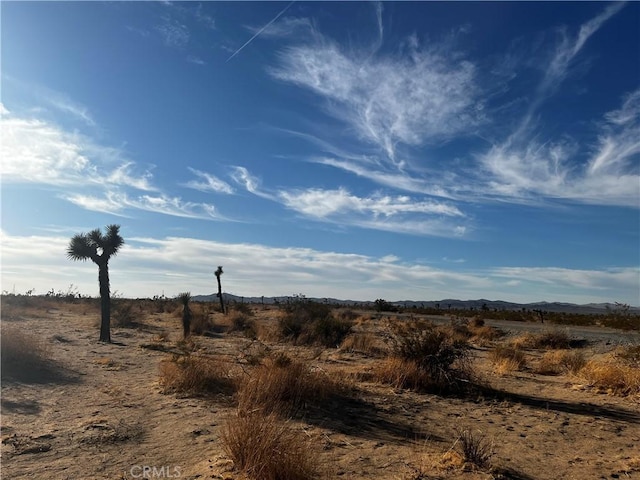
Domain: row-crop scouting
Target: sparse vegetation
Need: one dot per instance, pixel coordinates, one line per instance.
(475, 448)
(612, 377)
(309, 323)
(557, 362)
(552, 339)
(23, 357)
(123, 313)
(274, 409)
(283, 386)
(428, 358)
(507, 358)
(266, 447)
(195, 375)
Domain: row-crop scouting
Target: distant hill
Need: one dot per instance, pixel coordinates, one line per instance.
(454, 304)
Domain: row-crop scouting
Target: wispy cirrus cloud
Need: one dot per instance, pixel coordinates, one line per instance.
(36, 151)
(174, 33)
(399, 213)
(609, 177)
(320, 203)
(208, 183)
(40, 152)
(250, 182)
(421, 97)
(119, 203)
(525, 166)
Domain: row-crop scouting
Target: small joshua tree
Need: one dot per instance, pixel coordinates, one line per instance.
(219, 272)
(186, 313)
(99, 249)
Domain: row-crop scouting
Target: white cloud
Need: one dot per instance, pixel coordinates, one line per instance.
(526, 167)
(399, 214)
(421, 98)
(195, 60)
(610, 177)
(173, 32)
(207, 20)
(252, 183)
(35, 151)
(606, 280)
(285, 27)
(146, 266)
(323, 203)
(116, 202)
(209, 183)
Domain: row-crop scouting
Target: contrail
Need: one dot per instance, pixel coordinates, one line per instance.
(261, 30)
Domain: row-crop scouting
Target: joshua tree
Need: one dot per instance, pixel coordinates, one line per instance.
(99, 248)
(186, 313)
(219, 272)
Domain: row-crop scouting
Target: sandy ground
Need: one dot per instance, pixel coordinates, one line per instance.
(101, 414)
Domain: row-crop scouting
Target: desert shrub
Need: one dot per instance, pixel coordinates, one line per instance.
(486, 333)
(283, 386)
(243, 308)
(311, 323)
(613, 377)
(265, 447)
(476, 322)
(362, 342)
(122, 313)
(22, 356)
(561, 361)
(200, 322)
(458, 331)
(552, 339)
(629, 354)
(442, 360)
(241, 322)
(347, 314)
(329, 331)
(401, 373)
(195, 375)
(507, 358)
(476, 449)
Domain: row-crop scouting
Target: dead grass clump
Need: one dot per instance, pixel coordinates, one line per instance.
(284, 386)
(476, 322)
(200, 322)
(486, 333)
(311, 323)
(612, 377)
(243, 323)
(24, 357)
(561, 361)
(476, 449)
(552, 339)
(361, 342)
(195, 375)
(442, 359)
(629, 354)
(122, 313)
(265, 447)
(507, 358)
(400, 373)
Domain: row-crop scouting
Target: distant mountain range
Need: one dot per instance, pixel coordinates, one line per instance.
(591, 308)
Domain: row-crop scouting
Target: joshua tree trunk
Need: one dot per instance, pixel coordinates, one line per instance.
(105, 302)
(218, 273)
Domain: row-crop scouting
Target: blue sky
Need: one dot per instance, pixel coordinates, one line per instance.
(355, 150)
